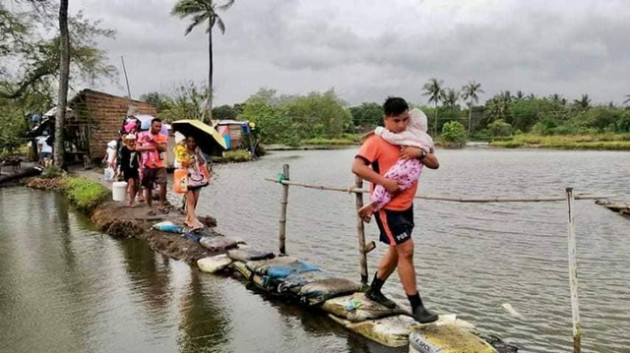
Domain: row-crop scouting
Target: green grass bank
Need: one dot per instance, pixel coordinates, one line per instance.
(614, 142)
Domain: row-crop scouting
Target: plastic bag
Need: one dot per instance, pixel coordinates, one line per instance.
(108, 174)
(169, 227)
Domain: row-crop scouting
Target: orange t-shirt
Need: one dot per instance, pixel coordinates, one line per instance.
(381, 155)
(152, 159)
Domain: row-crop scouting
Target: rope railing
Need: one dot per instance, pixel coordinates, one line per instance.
(364, 248)
(354, 189)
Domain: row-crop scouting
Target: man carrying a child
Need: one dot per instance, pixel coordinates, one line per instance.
(395, 220)
(152, 144)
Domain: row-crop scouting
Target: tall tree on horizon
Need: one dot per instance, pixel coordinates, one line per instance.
(627, 100)
(450, 97)
(469, 92)
(584, 103)
(433, 89)
(64, 76)
(203, 11)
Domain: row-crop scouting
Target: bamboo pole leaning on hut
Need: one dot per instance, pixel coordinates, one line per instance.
(283, 209)
(575, 307)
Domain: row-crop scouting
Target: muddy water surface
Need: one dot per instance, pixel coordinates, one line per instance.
(67, 288)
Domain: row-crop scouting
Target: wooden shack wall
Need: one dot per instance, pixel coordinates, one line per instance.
(103, 113)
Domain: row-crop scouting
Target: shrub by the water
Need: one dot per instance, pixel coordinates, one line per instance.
(52, 172)
(499, 128)
(454, 134)
(237, 156)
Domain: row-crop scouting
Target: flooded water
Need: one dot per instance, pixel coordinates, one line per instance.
(66, 288)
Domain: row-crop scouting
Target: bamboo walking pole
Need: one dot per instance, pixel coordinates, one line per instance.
(283, 212)
(361, 233)
(575, 308)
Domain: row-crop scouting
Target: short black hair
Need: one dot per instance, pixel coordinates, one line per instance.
(156, 120)
(394, 106)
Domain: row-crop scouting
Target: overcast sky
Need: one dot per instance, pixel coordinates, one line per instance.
(368, 49)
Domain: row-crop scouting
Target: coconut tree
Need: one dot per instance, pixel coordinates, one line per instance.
(627, 100)
(469, 92)
(203, 11)
(64, 75)
(450, 97)
(433, 89)
(583, 103)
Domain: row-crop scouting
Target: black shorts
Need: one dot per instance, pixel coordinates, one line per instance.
(395, 226)
(153, 175)
(130, 174)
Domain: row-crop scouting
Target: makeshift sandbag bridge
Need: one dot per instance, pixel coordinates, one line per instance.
(344, 300)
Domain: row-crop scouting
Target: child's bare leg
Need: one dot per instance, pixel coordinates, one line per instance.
(367, 211)
(140, 194)
(378, 198)
(131, 191)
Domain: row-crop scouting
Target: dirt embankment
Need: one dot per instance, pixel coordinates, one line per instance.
(122, 221)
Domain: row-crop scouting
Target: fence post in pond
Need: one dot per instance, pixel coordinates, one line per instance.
(575, 308)
(361, 233)
(283, 209)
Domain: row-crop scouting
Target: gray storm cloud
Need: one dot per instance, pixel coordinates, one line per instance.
(370, 49)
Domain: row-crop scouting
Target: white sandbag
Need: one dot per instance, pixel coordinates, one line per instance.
(357, 307)
(391, 331)
(217, 243)
(214, 264)
(446, 338)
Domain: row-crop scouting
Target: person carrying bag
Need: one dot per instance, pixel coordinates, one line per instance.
(190, 177)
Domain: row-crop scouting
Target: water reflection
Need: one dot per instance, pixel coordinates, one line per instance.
(149, 274)
(203, 324)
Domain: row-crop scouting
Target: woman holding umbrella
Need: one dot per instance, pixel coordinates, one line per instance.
(189, 157)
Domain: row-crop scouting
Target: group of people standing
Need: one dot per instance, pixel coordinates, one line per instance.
(391, 158)
(141, 162)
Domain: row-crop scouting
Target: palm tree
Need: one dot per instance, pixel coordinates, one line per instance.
(583, 103)
(627, 100)
(450, 97)
(202, 11)
(556, 99)
(64, 75)
(433, 89)
(469, 92)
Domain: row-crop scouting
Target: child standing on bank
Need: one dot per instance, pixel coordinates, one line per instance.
(406, 171)
(129, 165)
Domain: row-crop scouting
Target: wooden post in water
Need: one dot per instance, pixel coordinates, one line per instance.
(575, 308)
(283, 212)
(361, 233)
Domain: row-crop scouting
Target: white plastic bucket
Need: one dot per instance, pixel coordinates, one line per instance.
(119, 190)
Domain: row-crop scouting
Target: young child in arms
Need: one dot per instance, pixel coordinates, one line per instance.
(406, 171)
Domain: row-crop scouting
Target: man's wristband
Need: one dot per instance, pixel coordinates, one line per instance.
(423, 155)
